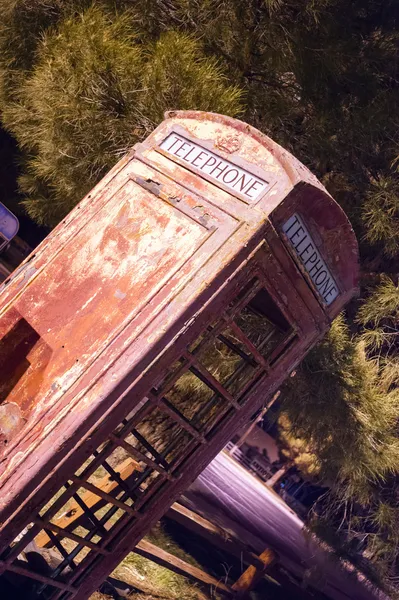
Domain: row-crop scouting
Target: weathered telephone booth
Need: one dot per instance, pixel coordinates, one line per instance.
(150, 325)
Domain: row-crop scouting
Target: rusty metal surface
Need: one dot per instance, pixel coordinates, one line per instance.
(91, 321)
(289, 178)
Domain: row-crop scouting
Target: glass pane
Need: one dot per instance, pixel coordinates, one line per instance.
(245, 291)
(195, 400)
(263, 323)
(228, 360)
(171, 372)
(157, 432)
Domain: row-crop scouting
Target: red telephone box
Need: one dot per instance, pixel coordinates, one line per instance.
(151, 324)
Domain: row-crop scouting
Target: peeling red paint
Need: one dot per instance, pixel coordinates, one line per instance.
(115, 294)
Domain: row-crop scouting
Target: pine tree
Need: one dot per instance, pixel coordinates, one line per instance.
(380, 214)
(340, 405)
(94, 91)
(320, 76)
(297, 450)
(339, 423)
(82, 81)
(379, 316)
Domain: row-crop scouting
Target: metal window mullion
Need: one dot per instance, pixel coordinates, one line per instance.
(98, 527)
(149, 493)
(207, 378)
(247, 342)
(68, 560)
(104, 495)
(245, 299)
(216, 418)
(99, 458)
(107, 538)
(129, 425)
(236, 349)
(173, 444)
(249, 386)
(57, 543)
(88, 560)
(176, 416)
(115, 475)
(178, 460)
(241, 367)
(116, 529)
(135, 487)
(84, 566)
(257, 369)
(89, 513)
(37, 577)
(196, 420)
(255, 376)
(216, 423)
(282, 346)
(34, 530)
(81, 572)
(149, 448)
(212, 334)
(267, 338)
(70, 535)
(188, 359)
(136, 454)
(156, 392)
(204, 408)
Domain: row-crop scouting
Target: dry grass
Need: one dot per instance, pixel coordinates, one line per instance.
(153, 581)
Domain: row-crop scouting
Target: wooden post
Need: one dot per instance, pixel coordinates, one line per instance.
(218, 537)
(275, 478)
(253, 575)
(179, 566)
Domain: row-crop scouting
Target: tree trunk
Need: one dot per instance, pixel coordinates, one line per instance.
(279, 474)
(255, 422)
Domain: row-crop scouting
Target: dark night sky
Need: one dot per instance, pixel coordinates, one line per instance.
(9, 159)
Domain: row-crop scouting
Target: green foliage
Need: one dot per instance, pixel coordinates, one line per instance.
(178, 75)
(320, 78)
(380, 214)
(379, 316)
(74, 114)
(22, 24)
(297, 449)
(338, 405)
(96, 90)
(339, 422)
(382, 305)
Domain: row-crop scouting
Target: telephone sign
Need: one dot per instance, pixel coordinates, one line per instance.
(147, 329)
(214, 167)
(306, 250)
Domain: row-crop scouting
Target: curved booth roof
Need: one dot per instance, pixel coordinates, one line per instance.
(270, 181)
